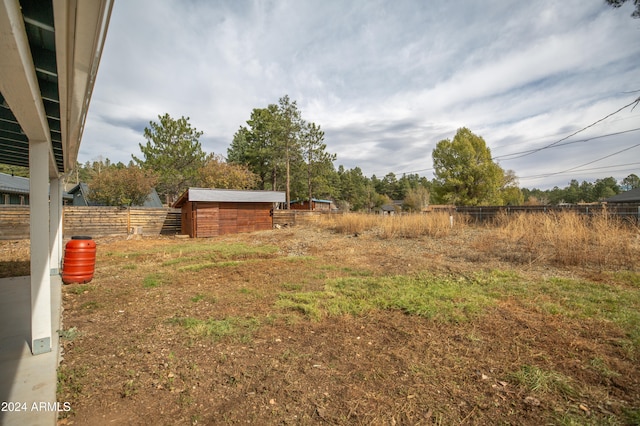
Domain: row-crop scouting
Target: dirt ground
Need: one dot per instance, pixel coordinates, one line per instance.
(130, 357)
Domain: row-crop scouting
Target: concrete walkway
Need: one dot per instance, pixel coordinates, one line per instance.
(27, 382)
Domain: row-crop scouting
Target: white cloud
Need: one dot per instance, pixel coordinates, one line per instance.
(385, 80)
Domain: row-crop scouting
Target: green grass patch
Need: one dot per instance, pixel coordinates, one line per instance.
(221, 249)
(235, 328)
(628, 277)
(309, 304)
(90, 306)
(200, 266)
(537, 380)
(197, 298)
(176, 261)
(632, 415)
(443, 299)
(151, 281)
(458, 299)
(584, 299)
(599, 365)
(292, 286)
(357, 272)
(303, 259)
(81, 288)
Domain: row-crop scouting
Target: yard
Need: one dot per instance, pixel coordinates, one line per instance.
(357, 323)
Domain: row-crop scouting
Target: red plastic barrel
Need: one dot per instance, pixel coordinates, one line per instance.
(79, 260)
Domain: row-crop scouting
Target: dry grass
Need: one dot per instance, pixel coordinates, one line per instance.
(568, 239)
(397, 226)
(565, 239)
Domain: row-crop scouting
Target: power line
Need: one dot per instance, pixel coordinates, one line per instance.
(616, 167)
(533, 151)
(524, 153)
(582, 165)
(556, 143)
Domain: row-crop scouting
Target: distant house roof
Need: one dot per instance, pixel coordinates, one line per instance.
(14, 184)
(632, 196)
(18, 185)
(80, 194)
(230, 195)
(315, 200)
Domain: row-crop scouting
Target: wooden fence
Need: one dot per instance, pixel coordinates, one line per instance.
(95, 221)
(296, 217)
(100, 221)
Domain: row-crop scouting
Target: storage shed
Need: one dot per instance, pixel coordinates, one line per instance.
(209, 212)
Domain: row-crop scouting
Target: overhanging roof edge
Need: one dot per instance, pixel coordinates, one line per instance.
(81, 29)
(18, 80)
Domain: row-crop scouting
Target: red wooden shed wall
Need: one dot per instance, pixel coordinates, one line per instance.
(208, 219)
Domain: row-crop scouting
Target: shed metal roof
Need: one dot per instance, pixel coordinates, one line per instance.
(230, 195)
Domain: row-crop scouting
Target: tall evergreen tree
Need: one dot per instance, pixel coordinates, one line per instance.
(174, 152)
(319, 163)
(275, 146)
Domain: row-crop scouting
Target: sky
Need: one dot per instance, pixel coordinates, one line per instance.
(385, 80)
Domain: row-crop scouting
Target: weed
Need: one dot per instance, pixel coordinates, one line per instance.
(69, 382)
(68, 334)
(81, 289)
(185, 399)
(129, 388)
(90, 306)
(197, 298)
